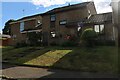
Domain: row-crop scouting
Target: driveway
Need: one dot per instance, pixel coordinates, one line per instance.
(13, 71)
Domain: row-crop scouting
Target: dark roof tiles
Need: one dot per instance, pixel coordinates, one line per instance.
(69, 7)
(98, 18)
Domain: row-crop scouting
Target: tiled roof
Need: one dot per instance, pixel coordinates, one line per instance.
(99, 18)
(94, 19)
(69, 7)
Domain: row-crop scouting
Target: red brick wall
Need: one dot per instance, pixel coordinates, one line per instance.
(5, 42)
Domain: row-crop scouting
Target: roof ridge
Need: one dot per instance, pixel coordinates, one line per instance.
(68, 6)
(73, 4)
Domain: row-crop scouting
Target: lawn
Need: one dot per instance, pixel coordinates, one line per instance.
(6, 48)
(98, 59)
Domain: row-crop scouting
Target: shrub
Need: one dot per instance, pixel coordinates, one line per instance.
(69, 44)
(71, 40)
(88, 37)
(34, 39)
(22, 44)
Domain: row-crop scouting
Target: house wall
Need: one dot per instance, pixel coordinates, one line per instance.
(92, 8)
(62, 30)
(109, 31)
(30, 24)
(5, 42)
(15, 29)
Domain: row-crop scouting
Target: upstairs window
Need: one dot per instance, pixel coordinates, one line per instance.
(21, 26)
(63, 22)
(52, 18)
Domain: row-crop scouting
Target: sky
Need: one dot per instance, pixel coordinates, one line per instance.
(16, 9)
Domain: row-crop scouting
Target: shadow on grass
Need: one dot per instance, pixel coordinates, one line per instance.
(79, 74)
(100, 62)
(97, 60)
(32, 56)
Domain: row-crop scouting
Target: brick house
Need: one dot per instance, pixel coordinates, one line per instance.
(55, 23)
(60, 22)
(21, 27)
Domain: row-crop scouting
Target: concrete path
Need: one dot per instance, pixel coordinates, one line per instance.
(14, 71)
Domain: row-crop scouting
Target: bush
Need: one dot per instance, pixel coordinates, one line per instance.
(69, 44)
(34, 39)
(22, 44)
(89, 37)
(70, 40)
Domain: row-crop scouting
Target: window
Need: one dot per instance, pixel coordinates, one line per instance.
(99, 28)
(63, 22)
(53, 34)
(96, 28)
(21, 26)
(52, 17)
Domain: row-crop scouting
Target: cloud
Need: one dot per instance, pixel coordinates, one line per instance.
(102, 6)
(15, 0)
(47, 3)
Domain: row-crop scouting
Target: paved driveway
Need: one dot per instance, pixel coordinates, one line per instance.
(14, 71)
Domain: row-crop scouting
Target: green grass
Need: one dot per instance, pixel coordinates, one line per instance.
(98, 59)
(49, 58)
(6, 48)
(12, 52)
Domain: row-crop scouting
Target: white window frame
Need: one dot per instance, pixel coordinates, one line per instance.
(100, 28)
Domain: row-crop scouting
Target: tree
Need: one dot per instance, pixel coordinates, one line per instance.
(6, 29)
